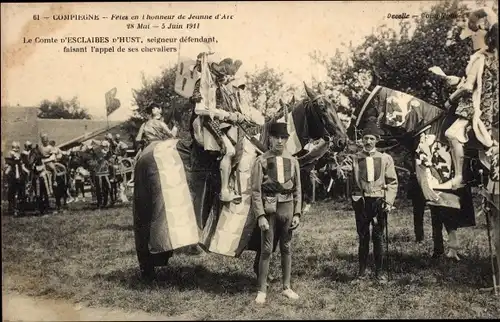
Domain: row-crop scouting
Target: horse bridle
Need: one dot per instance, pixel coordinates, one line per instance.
(328, 137)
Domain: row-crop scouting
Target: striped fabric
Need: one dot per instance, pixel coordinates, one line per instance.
(229, 233)
(370, 171)
(279, 168)
(293, 144)
(161, 188)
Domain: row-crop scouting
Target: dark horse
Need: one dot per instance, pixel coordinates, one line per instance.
(314, 117)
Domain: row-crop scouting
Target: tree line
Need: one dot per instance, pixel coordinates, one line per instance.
(397, 58)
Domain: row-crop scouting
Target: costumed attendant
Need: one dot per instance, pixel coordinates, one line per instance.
(276, 198)
(476, 95)
(373, 173)
(59, 154)
(16, 165)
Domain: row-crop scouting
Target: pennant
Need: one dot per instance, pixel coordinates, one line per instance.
(112, 103)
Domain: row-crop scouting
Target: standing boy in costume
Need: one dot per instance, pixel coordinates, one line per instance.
(373, 172)
(276, 198)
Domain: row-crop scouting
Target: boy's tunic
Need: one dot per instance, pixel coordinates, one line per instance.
(278, 177)
(276, 194)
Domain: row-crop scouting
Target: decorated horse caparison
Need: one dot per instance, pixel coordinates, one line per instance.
(176, 201)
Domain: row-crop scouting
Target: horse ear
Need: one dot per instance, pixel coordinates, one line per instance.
(292, 102)
(309, 92)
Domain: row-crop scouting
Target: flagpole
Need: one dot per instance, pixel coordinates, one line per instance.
(107, 116)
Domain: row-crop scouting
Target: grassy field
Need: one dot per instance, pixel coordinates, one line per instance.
(89, 257)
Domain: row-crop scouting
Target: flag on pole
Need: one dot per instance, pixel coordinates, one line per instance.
(112, 103)
(186, 77)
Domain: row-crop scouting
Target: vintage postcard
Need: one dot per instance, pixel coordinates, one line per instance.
(250, 160)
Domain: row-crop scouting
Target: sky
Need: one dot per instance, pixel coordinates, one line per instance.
(280, 35)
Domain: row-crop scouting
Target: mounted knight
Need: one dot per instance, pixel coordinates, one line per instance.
(215, 113)
(48, 157)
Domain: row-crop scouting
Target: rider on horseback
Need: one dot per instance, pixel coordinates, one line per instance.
(48, 156)
(213, 110)
(154, 129)
(15, 158)
(475, 96)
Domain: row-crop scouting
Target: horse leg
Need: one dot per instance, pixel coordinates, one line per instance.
(45, 200)
(11, 193)
(98, 191)
(57, 197)
(106, 191)
(143, 215)
(16, 198)
(21, 193)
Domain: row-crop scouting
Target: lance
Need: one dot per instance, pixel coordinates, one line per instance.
(386, 219)
(487, 210)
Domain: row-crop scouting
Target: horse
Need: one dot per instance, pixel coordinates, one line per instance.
(176, 187)
(419, 127)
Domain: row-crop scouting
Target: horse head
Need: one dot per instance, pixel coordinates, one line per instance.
(324, 112)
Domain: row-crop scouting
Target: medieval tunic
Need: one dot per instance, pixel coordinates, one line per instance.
(372, 171)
